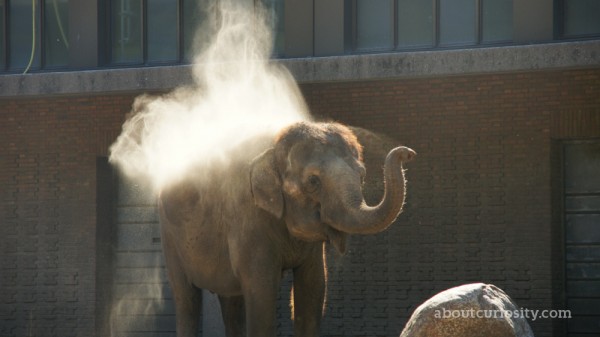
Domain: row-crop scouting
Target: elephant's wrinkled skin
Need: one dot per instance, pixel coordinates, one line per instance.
(234, 229)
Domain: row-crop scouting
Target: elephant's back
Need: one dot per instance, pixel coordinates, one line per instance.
(212, 191)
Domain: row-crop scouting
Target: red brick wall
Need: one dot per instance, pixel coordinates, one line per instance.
(48, 214)
(478, 209)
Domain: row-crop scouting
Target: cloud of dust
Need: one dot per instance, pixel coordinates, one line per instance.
(237, 93)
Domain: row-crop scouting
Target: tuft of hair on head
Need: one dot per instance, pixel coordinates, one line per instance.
(348, 137)
(324, 133)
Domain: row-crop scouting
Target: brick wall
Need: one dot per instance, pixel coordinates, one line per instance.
(479, 194)
(478, 208)
(48, 215)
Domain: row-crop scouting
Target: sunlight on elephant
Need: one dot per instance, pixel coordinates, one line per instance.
(234, 227)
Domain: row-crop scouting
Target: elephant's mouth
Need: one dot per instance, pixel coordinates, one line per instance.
(327, 233)
(337, 239)
(315, 229)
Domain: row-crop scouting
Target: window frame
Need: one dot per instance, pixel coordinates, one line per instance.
(40, 57)
(478, 30)
(108, 59)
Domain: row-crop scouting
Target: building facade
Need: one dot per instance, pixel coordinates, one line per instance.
(501, 99)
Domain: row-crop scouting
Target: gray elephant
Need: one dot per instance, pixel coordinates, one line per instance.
(234, 228)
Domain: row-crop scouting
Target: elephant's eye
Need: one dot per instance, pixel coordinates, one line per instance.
(313, 183)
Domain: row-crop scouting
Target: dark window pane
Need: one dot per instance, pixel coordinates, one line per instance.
(582, 17)
(126, 31)
(497, 19)
(582, 164)
(56, 28)
(457, 22)
(2, 32)
(162, 30)
(275, 8)
(374, 24)
(20, 38)
(415, 23)
(193, 16)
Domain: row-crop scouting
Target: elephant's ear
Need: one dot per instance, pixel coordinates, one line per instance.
(266, 184)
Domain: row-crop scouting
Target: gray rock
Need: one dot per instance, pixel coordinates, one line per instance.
(469, 310)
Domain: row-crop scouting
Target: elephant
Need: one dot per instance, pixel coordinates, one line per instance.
(233, 228)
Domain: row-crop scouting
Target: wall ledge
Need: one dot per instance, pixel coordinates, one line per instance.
(398, 65)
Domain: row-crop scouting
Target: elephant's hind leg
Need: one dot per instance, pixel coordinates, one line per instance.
(187, 297)
(188, 307)
(232, 309)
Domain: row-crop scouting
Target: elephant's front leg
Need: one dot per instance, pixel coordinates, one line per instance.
(309, 295)
(258, 269)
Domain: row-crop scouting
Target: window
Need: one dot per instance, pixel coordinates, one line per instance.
(153, 31)
(24, 43)
(580, 18)
(193, 16)
(374, 24)
(22, 38)
(497, 21)
(126, 17)
(162, 33)
(416, 26)
(457, 22)
(413, 24)
(56, 32)
(276, 10)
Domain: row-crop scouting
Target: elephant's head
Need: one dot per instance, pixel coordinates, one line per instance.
(312, 178)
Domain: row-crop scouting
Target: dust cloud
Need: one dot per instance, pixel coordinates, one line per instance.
(237, 93)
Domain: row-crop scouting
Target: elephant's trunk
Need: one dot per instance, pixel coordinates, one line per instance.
(351, 214)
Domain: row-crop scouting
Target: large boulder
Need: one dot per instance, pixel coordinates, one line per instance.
(469, 310)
